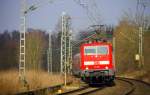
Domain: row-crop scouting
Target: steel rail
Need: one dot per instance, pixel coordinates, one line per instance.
(133, 86)
(81, 91)
(131, 90)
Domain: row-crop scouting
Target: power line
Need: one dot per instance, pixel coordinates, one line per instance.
(89, 10)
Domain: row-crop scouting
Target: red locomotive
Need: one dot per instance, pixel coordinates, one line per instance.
(95, 62)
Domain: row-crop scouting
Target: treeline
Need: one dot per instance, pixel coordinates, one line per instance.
(36, 50)
(36, 46)
(127, 46)
(56, 45)
(9, 46)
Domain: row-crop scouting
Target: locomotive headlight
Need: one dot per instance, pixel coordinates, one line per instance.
(86, 68)
(104, 62)
(106, 67)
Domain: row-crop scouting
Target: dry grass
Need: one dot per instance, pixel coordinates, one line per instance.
(42, 79)
(9, 81)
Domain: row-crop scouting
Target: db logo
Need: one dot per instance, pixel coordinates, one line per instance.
(96, 62)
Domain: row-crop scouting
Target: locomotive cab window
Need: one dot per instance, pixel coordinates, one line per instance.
(102, 50)
(96, 50)
(90, 50)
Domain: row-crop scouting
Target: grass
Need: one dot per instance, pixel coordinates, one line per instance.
(9, 81)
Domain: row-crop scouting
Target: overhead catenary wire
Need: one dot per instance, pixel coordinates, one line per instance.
(86, 5)
(38, 5)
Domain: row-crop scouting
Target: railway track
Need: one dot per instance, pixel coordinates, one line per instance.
(137, 87)
(132, 87)
(82, 91)
(124, 86)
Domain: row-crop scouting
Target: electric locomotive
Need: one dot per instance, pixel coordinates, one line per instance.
(95, 62)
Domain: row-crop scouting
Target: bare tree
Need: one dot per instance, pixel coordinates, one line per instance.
(126, 35)
(35, 49)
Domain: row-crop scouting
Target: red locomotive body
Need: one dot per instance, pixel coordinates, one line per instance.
(97, 62)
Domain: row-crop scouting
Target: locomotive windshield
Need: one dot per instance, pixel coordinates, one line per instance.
(90, 50)
(102, 50)
(96, 50)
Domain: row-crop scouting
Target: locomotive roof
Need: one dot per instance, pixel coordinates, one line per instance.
(96, 43)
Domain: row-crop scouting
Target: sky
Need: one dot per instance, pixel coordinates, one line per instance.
(47, 16)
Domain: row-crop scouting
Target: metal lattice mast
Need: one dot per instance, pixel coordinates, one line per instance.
(65, 46)
(69, 53)
(140, 19)
(63, 43)
(71, 58)
(24, 12)
(141, 61)
(22, 44)
(49, 56)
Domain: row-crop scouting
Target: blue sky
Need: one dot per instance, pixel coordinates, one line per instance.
(46, 17)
